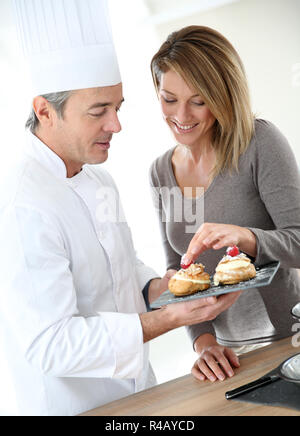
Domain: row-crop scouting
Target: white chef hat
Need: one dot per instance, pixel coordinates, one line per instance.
(68, 44)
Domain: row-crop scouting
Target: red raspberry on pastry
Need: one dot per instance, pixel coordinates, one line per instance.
(234, 268)
(233, 251)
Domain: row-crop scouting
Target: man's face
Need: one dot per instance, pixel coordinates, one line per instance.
(84, 133)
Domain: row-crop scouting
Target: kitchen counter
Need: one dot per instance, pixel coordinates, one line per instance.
(186, 396)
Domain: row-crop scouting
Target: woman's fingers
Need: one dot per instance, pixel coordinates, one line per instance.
(225, 364)
(201, 369)
(209, 366)
(215, 364)
(197, 373)
(211, 235)
(232, 357)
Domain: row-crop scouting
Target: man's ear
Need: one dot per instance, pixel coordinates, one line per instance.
(44, 111)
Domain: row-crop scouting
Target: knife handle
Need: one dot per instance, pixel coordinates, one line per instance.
(250, 386)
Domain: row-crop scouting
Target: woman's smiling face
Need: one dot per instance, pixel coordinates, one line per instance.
(184, 110)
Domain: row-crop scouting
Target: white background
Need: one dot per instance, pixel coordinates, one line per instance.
(267, 36)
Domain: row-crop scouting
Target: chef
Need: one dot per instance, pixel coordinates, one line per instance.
(73, 319)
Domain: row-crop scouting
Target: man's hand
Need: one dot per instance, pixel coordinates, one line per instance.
(201, 310)
(177, 315)
(158, 286)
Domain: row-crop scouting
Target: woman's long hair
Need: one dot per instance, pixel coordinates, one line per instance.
(208, 63)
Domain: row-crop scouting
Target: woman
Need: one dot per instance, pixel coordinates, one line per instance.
(251, 191)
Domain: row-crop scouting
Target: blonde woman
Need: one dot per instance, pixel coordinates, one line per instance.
(241, 177)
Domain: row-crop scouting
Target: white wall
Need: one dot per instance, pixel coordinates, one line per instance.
(14, 86)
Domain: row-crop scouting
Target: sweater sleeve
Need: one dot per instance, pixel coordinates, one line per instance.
(276, 176)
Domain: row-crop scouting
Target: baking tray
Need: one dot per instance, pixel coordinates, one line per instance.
(264, 276)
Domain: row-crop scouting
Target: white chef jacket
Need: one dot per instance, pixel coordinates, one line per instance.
(70, 290)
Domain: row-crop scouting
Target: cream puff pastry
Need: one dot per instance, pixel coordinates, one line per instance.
(189, 281)
(234, 268)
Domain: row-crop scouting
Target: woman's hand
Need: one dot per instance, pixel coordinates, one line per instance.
(217, 236)
(215, 363)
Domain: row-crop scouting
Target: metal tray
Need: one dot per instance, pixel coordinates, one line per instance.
(264, 276)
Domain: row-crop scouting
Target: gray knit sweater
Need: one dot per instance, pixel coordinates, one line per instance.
(264, 197)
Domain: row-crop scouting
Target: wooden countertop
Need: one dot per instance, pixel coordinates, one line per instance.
(186, 396)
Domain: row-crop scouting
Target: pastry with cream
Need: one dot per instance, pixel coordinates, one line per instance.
(234, 267)
(189, 281)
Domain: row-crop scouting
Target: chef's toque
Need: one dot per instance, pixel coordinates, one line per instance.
(68, 44)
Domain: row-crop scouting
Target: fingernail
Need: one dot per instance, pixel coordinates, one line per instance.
(185, 260)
